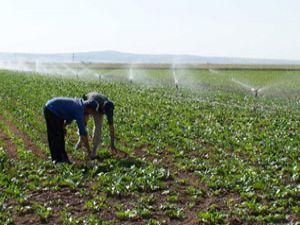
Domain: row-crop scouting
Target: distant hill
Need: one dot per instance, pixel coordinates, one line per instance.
(121, 57)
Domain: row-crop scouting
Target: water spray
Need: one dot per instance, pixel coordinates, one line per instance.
(98, 76)
(176, 85)
(130, 75)
(176, 81)
(213, 71)
(255, 91)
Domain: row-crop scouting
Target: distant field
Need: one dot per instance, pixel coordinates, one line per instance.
(207, 152)
(270, 78)
(195, 66)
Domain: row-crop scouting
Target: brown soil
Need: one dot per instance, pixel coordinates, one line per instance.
(8, 145)
(189, 178)
(26, 140)
(57, 200)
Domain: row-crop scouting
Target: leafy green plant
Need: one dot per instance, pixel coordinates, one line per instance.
(128, 214)
(42, 211)
(213, 144)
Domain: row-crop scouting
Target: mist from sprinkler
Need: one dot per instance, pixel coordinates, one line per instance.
(15, 65)
(69, 70)
(98, 76)
(254, 90)
(48, 68)
(176, 81)
(141, 76)
(214, 71)
(86, 71)
(130, 75)
(52, 68)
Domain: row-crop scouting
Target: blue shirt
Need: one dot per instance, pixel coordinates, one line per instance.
(69, 109)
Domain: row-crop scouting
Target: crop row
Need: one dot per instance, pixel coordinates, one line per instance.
(240, 160)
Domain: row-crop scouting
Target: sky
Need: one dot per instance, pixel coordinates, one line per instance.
(231, 28)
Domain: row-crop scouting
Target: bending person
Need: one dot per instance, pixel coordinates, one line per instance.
(59, 112)
(105, 107)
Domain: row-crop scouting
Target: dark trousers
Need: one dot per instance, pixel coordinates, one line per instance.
(56, 137)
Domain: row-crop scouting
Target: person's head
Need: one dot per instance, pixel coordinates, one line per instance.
(91, 107)
(108, 109)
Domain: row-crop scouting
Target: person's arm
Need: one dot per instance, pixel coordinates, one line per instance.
(81, 122)
(79, 143)
(98, 120)
(85, 141)
(112, 137)
(112, 143)
(110, 120)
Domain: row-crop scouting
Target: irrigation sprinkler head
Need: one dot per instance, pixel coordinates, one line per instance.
(131, 80)
(255, 91)
(176, 84)
(98, 76)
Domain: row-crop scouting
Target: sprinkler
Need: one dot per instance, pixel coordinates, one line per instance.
(98, 76)
(130, 75)
(255, 92)
(176, 84)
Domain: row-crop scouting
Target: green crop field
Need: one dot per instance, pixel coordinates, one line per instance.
(209, 152)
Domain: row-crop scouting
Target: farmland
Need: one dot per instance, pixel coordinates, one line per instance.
(207, 153)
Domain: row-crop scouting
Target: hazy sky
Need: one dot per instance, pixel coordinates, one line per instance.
(242, 28)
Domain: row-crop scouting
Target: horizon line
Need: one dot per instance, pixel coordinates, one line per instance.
(150, 54)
